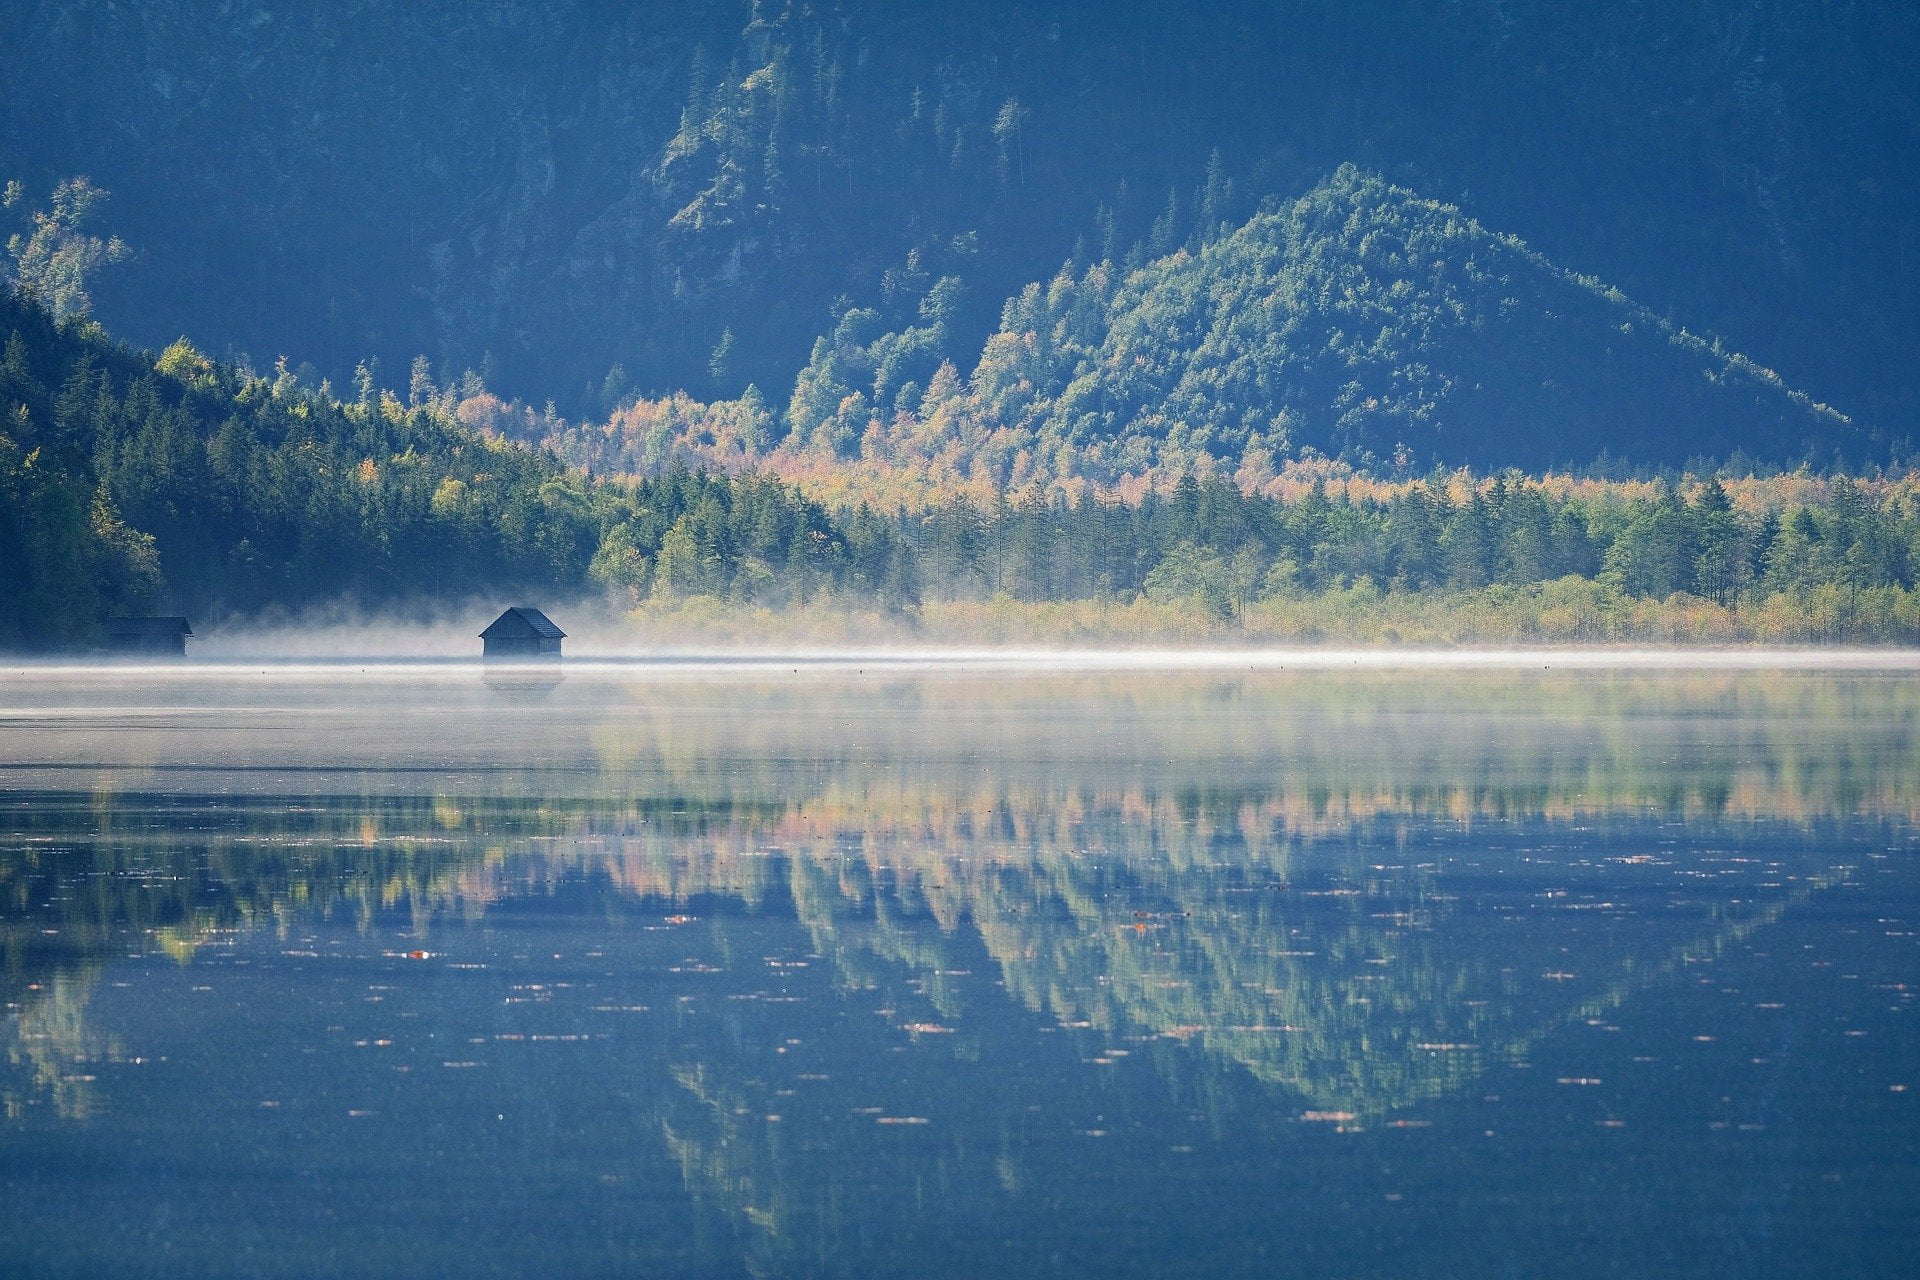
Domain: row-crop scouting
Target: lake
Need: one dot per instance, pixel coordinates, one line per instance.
(960, 968)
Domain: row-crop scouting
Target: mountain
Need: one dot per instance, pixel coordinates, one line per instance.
(586, 200)
(1359, 321)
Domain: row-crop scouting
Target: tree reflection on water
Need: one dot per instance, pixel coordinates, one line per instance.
(1337, 899)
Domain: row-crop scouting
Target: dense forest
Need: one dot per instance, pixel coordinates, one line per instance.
(1284, 324)
(1359, 322)
(128, 479)
(613, 199)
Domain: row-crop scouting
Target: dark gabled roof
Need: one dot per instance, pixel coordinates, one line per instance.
(522, 620)
(119, 627)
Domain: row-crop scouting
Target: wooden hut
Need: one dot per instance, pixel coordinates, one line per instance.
(521, 632)
(152, 637)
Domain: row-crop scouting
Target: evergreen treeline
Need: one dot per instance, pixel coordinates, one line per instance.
(128, 481)
(1219, 549)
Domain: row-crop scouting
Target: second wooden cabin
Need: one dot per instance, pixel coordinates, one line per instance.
(148, 637)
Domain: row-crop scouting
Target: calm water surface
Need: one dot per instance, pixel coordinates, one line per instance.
(421, 972)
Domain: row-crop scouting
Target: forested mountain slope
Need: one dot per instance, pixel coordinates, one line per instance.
(1359, 321)
(129, 481)
(682, 190)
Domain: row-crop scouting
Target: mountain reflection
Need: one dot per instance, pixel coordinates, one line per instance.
(1265, 899)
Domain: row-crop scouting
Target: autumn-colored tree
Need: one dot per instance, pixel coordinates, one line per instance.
(54, 260)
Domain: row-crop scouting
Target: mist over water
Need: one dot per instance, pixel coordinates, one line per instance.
(955, 964)
(608, 652)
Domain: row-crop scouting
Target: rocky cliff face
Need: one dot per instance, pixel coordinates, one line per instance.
(565, 186)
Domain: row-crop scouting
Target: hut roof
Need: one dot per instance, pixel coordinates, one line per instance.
(121, 627)
(523, 620)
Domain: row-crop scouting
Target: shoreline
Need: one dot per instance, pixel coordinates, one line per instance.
(1036, 660)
